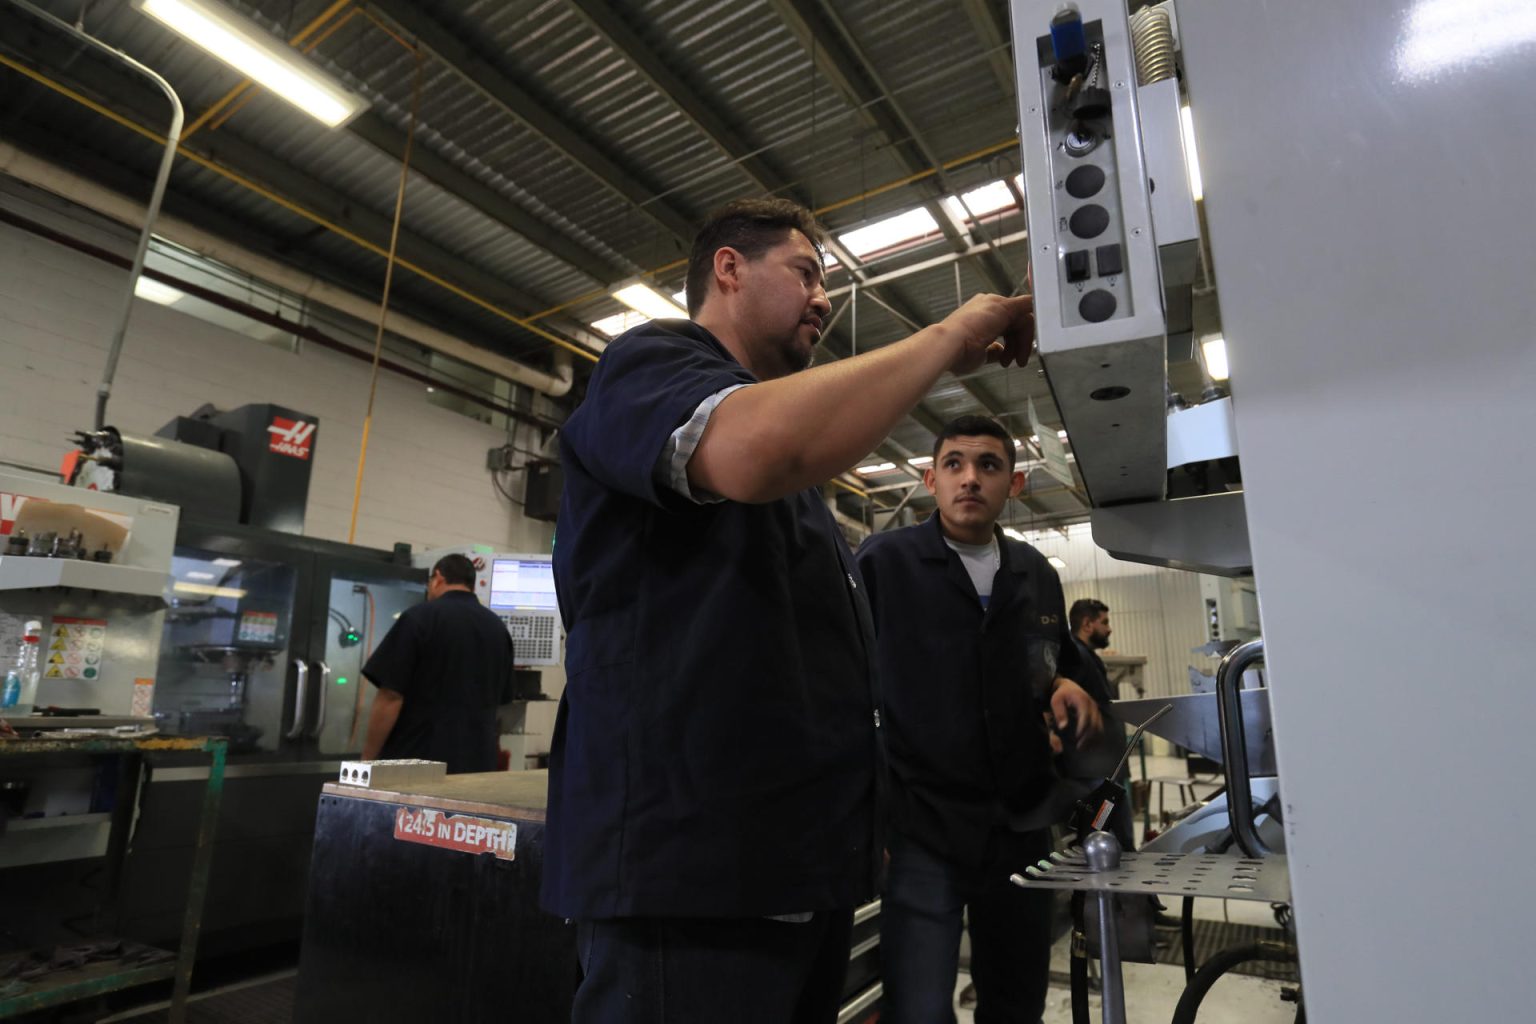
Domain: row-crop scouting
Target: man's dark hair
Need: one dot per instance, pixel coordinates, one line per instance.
(456, 570)
(1086, 609)
(751, 227)
(976, 426)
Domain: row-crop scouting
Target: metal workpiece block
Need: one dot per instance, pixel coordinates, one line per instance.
(392, 775)
(1215, 876)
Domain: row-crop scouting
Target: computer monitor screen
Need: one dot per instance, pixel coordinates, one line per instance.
(523, 583)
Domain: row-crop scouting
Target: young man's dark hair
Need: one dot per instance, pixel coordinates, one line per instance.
(456, 570)
(751, 227)
(976, 426)
(1085, 609)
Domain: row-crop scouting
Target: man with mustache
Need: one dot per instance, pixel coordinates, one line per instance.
(975, 665)
(712, 800)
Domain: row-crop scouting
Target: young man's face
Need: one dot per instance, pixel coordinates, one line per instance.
(784, 306)
(1096, 632)
(972, 478)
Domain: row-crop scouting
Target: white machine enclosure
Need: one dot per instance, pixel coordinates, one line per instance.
(1370, 228)
(110, 612)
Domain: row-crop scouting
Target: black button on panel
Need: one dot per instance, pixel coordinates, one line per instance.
(1077, 266)
(1085, 181)
(1089, 221)
(1109, 260)
(1097, 305)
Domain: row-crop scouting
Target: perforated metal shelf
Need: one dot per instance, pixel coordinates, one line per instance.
(1218, 876)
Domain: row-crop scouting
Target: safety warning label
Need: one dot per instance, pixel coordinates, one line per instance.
(74, 648)
(457, 832)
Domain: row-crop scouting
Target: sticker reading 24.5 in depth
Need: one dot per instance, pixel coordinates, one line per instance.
(457, 832)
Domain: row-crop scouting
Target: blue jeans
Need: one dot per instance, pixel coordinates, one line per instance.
(920, 920)
(707, 971)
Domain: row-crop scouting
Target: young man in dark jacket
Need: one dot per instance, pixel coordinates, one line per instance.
(975, 665)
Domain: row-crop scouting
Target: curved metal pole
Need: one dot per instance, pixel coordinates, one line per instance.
(104, 391)
(1234, 745)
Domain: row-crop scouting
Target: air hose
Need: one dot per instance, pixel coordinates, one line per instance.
(1221, 963)
(1079, 962)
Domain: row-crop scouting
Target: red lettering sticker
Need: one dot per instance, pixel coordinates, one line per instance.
(290, 437)
(457, 832)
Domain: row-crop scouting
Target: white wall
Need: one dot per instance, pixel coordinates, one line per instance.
(425, 480)
(1154, 612)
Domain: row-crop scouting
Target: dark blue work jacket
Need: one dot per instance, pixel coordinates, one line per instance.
(716, 748)
(964, 688)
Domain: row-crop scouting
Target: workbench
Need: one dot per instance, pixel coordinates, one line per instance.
(63, 986)
(423, 905)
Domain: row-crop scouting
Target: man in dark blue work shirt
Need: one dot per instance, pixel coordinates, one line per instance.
(441, 672)
(974, 662)
(713, 773)
(1088, 619)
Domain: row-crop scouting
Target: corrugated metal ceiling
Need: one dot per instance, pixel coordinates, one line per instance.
(795, 130)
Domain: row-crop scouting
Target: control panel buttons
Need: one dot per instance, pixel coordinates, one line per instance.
(1089, 221)
(1085, 181)
(1077, 265)
(1110, 260)
(1097, 306)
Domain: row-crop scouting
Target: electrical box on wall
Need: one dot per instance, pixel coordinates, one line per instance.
(541, 490)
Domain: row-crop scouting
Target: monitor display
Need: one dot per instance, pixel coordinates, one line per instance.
(523, 583)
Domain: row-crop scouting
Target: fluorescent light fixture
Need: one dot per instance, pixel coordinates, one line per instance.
(1056, 563)
(228, 563)
(920, 460)
(1011, 532)
(1191, 159)
(642, 298)
(154, 291)
(1214, 349)
(199, 575)
(989, 198)
(681, 298)
(182, 587)
(618, 323)
(883, 234)
(878, 467)
(1465, 35)
(256, 54)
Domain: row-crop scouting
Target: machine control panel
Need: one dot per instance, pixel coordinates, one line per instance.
(1085, 195)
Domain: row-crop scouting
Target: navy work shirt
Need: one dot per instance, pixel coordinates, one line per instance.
(451, 659)
(964, 687)
(1101, 756)
(715, 753)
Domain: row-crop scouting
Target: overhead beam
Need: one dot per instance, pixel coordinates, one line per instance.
(517, 102)
(821, 32)
(291, 187)
(611, 24)
(379, 133)
(994, 38)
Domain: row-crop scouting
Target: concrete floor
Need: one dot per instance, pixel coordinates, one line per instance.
(1152, 991)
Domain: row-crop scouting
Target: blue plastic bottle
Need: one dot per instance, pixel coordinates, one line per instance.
(12, 691)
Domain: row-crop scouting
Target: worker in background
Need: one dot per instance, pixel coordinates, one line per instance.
(441, 672)
(1089, 621)
(712, 796)
(975, 665)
